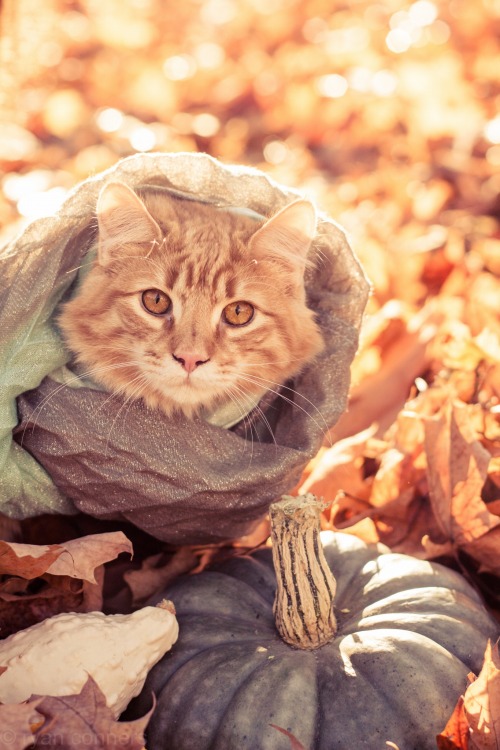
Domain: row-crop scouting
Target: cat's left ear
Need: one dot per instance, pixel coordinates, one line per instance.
(124, 222)
(286, 237)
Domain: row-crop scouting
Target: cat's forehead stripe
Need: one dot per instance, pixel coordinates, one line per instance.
(214, 277)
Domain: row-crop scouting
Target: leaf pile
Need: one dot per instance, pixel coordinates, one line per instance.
(38, 581)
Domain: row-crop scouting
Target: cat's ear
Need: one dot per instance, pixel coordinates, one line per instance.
(286, 237)
(123, 221)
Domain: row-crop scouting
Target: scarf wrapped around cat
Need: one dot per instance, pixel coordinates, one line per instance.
(64, 443)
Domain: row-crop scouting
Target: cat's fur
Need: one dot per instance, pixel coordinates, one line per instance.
(203, 257)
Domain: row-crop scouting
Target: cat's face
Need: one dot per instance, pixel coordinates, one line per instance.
(190, 306)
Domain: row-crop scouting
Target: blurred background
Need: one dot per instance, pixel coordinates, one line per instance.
(385, 112)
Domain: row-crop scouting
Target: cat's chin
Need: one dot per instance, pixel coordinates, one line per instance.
(191, 403)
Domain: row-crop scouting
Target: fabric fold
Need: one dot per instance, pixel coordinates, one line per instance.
(64, 448)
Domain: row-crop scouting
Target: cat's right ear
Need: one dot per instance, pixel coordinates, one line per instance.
(125, 224)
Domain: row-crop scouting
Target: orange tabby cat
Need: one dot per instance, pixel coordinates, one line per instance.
(188, 305)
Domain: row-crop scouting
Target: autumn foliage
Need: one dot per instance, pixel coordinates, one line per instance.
(385, 115)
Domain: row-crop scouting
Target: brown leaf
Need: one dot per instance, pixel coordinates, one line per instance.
(18, 723)
(70, 582)
(84, 719)
(153, 577)
(486, 551)
(455, 736)
(482, 703)
(27, 560)
(76, 558)
(337, 469)
(457, 469)
(379, 398)
(80, 557)
(19, 612)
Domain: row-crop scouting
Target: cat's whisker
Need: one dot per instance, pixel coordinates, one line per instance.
(262, 381)
(191, 254)
(262, 416)
(244, 417)
(285, 362)
(45, 402)
(38, 410)
(265, 381)
(142, 383)
(84, 265)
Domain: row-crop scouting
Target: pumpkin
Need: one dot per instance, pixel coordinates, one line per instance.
(56, 656)
(389, 671)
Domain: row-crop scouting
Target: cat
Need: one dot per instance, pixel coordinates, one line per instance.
(190, 306)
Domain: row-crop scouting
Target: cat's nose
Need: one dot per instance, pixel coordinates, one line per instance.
(189, 360)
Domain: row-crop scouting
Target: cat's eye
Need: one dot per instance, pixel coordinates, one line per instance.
(156, 302)
(238, 313)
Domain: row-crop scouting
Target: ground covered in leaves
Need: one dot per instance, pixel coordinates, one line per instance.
(386, 115)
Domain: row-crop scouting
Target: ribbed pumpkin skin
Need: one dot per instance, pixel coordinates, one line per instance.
(409, 633)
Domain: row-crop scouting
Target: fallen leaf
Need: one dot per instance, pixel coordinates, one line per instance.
(339, 469)
(27, 560)
(80, 557)
(18, 724)
(20, 611)
(482, 703)
(457, 470)
(76, 558)
(380, 397)
(455, 736)
(153, 577)
(84, 719)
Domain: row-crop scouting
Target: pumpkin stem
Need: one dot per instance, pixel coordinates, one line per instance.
(303, 605)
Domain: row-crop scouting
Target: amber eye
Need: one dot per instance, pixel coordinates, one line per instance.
(156, 302)
(238, 313)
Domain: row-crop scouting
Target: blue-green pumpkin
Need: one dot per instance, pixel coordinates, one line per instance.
(408, 634)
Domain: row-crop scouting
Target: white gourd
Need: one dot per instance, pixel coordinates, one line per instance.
(56, 656)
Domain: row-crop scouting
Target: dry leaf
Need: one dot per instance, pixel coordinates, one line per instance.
(80, 557)
(482, 704)
(77, 558)
(84, 719)
(338, 469)
(153, 577)
(27, 560)
(455, 736)
(65, 577)
(18, 724)
(380, 397)
(457, 470)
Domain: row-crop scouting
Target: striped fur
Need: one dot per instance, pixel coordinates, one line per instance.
(203, 258)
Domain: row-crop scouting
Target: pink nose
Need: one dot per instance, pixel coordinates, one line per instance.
(189, 360)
